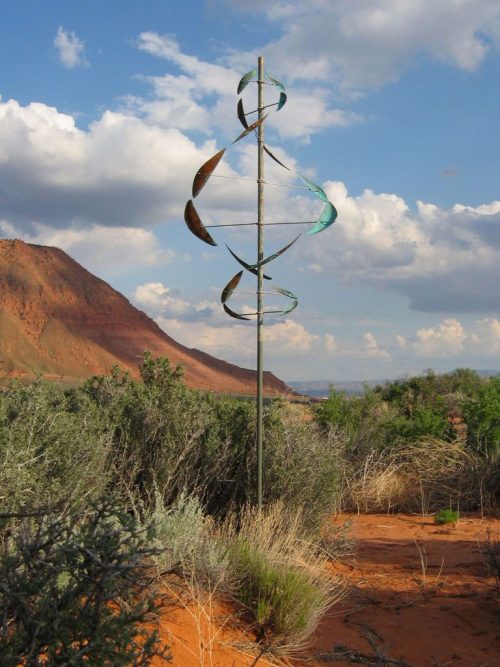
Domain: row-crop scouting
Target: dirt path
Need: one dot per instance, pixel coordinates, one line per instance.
(420, 597)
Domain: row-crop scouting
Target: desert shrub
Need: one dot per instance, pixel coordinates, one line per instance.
(445, 516)
(53, 449)
(73, 591)
(482, 415)
(280, 574)
(490, 550)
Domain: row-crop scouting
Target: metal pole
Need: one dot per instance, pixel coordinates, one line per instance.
(260, 256)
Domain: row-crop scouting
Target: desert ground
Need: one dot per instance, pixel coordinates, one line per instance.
(419, 595)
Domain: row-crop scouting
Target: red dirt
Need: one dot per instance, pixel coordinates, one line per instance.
(59, 320)
(420, 597)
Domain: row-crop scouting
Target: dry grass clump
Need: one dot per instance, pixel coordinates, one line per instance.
(491, 554)
(427, 474)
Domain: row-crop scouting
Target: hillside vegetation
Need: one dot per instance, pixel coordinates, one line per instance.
(170, 472)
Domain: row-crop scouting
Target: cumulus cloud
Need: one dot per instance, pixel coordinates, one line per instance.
(71, 49)
(446, 339)
(366, 44)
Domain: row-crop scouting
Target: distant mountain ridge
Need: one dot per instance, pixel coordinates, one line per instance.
(59, 320)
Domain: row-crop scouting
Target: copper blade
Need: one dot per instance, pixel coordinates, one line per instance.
(248, 267)
(250, 128)
(241, 114)
(195, 225)
(205, 171)
(273, 157)
(230, 287)
(276, 254)
(245, 80)
(231, 313)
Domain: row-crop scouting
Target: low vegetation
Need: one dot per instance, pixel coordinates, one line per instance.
(180, 464)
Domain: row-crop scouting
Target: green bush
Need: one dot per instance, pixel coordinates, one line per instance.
(446, 516)
(73, 591)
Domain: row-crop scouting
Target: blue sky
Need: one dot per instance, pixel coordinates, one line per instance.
(108, 109)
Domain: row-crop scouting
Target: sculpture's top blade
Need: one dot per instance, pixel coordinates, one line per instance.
(231, 313)
(275, 254)
(205, 171)
(250, 128)
(273, 157)
(245, 80)
(315, 189)
(241, 114)
(249, 267)
(326, 219)
(286, 292)
(275, 82)
(230, 287)
(194, 223)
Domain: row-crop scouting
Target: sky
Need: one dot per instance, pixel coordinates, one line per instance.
(108, 109)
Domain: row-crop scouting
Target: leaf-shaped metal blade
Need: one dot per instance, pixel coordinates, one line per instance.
(231, 313)
(285, 292)
(281, 101)
(273, 157)
(205, 171)
(241, 114)
(245, 80)
(230, 287)
(195, 225)
(293, 305)
(275, 82)
(315, 189)
(275, 254)
(248, 267)
(326, 219)
(250, 128)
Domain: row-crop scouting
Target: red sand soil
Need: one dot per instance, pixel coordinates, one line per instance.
(420, 596)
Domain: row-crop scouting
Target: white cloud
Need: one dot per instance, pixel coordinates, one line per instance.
(446, 339)
(71, 49)
(372, 348)
(367, 44)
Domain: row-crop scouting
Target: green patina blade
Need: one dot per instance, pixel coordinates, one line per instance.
(230, 287)
(275, 254)
(192, 220)
(231, 313)
(281, 102)
(294, 305)
(275, 82)
(245, 80)
(205, 171)
(285, 292)
(248, 267)
(326, 219)
(315, 189)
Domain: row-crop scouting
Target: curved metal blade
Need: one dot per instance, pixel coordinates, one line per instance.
(241, 113)
(205, 171)
(285, 292)
(315, 189)
(275, 254)
(195, 225)
(231, 313)
(230, 287)
(275, 82)
(294, 305)
(248, 267)
(282, 101)
(273, 157)
(245, 80)
(250, 128)
(326, 219)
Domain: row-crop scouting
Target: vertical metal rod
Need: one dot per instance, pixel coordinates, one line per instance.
(260, 255)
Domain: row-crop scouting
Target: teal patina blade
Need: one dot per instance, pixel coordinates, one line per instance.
(294, 305)
(231, 313)
(285, 292)
(230, 287)
(281, 101)
(275, 254)
(315, 189)
(275, 82)
(245, 80)
(326, 219)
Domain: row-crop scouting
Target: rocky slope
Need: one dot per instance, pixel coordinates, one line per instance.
(58, 319)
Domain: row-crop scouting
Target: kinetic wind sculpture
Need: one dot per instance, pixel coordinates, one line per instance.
(193, 221)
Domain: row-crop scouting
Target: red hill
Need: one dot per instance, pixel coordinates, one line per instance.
(59, 320)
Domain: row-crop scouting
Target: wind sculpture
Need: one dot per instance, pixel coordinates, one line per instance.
(194, 223)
